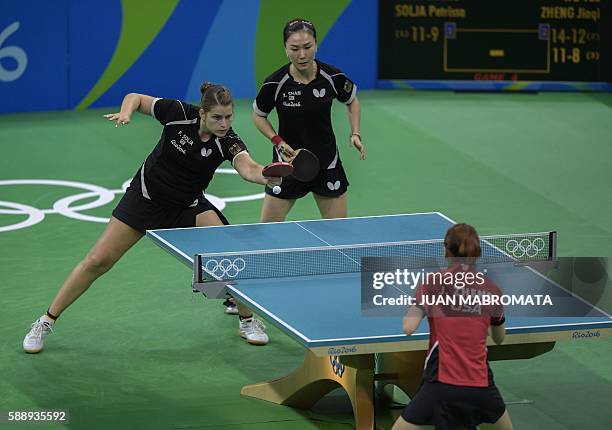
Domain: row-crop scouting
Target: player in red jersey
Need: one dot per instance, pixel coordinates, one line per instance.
(458, 388)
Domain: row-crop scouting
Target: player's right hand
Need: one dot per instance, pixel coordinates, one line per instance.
(273, 181)
(119, 118)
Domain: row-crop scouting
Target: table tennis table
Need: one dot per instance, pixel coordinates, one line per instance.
(323, 312)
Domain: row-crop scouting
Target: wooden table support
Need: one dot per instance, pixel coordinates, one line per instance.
(356, 374)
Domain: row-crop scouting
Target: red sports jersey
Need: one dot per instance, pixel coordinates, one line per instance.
(458, 334)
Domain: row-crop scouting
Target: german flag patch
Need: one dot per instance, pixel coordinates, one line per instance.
(235, 149)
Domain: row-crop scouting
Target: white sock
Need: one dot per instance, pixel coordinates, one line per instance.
(46, 319)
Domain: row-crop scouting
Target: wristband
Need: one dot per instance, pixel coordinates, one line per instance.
(356, 134)
(276, 140)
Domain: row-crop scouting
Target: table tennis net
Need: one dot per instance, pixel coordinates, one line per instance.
(339, 259)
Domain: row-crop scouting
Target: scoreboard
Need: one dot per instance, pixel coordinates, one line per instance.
(495, 40)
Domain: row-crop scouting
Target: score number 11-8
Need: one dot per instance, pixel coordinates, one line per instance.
(563, 55)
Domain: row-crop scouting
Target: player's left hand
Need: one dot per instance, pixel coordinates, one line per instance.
(355, 140)
(119, 118)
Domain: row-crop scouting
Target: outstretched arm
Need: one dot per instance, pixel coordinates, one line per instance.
(132, 102)
(250, 170)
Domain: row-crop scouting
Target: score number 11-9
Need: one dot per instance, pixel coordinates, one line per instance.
(418, 34)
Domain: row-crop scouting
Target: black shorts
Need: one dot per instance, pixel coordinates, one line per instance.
(448, 406)
(143, 214)
(329, 183)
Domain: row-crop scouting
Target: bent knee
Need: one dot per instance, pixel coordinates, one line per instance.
(97, 263)
(275, 209)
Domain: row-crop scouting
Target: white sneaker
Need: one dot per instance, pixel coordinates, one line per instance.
(35, 339)
(230, 306)
(253, 331)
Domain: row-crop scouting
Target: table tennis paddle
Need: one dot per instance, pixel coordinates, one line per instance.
(306, 165)
(278, 169)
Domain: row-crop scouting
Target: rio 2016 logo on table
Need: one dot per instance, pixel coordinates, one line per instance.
(587, 334)
(341, 350)
(14, 52)
(337, 367)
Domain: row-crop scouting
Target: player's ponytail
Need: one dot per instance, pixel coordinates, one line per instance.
(462, 241)
(214, 95)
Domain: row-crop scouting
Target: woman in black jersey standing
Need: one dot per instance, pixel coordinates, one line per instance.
(302, 93)
(166, 192)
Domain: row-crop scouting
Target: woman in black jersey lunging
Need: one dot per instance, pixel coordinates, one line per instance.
(166, 192)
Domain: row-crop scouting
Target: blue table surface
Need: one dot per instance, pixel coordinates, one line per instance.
(186, 242)
(326, 310)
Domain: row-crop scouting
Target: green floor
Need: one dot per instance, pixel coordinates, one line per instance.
(139, 351)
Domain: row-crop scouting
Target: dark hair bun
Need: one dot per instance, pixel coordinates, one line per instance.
(205, 86)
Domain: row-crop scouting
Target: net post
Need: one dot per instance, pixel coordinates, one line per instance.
(197, 283)
(211, 289)
(552, 245)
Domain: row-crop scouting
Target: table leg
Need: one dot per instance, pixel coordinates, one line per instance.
(402, 369)
(319, 375)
